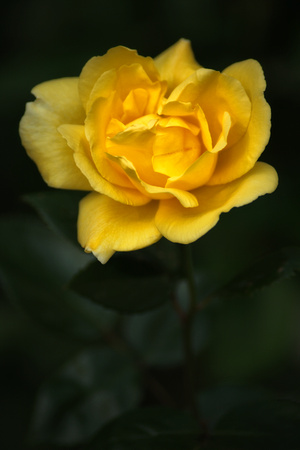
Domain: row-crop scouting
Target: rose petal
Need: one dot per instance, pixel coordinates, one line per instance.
(250, 74)
(179, 224)
(176, 63)
(241, 157)
(193, 115)
(135, 144)
(131, 82)
(197, 174)
(106, 226)
(223, 137)
(216, 93)
(57, 103)
(96, 125)
(75, 137)
(113, 59)
(187, 199)
(174, 150)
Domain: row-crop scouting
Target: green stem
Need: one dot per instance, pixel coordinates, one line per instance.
(187, 327)
(188, 269)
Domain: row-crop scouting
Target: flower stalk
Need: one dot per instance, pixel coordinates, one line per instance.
(187, 328)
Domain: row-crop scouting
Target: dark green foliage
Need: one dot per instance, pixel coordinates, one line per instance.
(35, 267)
(148, 429)
(261, 425)
(59, 209)
(89, 390)
(129, 283)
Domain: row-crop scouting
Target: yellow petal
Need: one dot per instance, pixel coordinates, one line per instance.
(103, 87)
(135, 144)
(196, 175)
(250, 74)
(193, 116)
(131, 80)
(223, 137)
(175, 149)
(113, 59)
(57, 103)
(97, 125)
(242, 156)
(216, 93)
(62, 96)
(187, 199)
(75, 137)
(130, 143)
(184, 225)
(106, 226)
(171, 121)
(176, 63)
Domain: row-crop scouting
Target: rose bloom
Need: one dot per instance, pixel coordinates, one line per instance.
(163, 145)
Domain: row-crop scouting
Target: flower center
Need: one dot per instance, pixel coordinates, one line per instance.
(175, 148)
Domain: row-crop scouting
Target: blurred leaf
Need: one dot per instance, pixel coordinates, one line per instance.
(251, 335)
(59, 209)
(217, 401)
(35, 266)
(87, 392)
(149, 429)
(279, 265)
(260, 426)
(165, 253)
(130, 283)
(164, 346)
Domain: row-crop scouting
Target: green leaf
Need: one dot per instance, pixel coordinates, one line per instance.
(217, 401)
(149, 429)
(90, 390)
(164, 347)
(260, 426)
(278, 265)
(35, 267)
(130, 282)
(251, 335)
(59, 209)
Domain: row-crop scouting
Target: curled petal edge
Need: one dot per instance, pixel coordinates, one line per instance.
(184, 226)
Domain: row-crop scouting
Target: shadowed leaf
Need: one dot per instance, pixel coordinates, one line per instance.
(59, 209)
(130, 283)
(87, 392)
(35, 266)
(260, 425)
(279, 265)
(148, 429)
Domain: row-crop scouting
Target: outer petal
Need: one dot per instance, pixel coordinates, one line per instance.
(242, 156)
(216, 94)
(75, 136)
(184, 225)
(57, 103)
(187, 199)
(96, 125)
(176, 63)
(106, 226)
(250, 74)
(113, 59)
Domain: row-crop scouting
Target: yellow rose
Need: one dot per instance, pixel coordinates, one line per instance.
(165, 145)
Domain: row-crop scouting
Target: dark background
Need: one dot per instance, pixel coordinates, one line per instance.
(42, 40)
